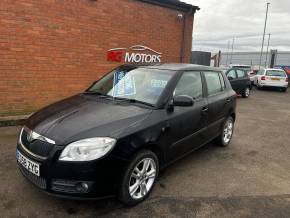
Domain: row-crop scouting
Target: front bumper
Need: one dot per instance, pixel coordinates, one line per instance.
(81, 180)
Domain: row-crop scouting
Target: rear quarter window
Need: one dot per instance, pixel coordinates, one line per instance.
(222, 81)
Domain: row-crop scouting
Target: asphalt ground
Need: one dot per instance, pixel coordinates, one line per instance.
(250, 178)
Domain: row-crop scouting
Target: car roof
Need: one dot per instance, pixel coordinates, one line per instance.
(240, 65)
(274, 69)
(182, 67)
(236, 68)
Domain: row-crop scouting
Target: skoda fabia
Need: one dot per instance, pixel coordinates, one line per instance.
(113, 139)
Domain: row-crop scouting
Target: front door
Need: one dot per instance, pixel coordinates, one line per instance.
(188, 124)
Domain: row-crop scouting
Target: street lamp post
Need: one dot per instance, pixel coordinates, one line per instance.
(265, 25)
(267, 49)
(228, 50)
(231, 58)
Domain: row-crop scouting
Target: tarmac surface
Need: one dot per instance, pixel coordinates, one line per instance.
(250, 178)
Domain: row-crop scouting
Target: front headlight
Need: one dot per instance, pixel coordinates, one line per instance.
(87, 149)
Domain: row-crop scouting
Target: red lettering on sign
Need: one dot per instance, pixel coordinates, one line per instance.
(115, 56)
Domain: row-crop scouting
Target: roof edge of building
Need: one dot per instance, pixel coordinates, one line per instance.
(173, 4)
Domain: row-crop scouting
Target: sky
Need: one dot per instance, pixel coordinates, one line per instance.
(219, 21)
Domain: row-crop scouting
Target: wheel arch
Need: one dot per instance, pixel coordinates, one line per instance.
(232, 114)
(157, 150)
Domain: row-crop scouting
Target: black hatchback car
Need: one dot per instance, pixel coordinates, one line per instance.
(240, 81)
(114, 138)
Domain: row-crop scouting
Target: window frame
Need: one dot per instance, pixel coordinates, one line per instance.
(202, 83)
(224, 82)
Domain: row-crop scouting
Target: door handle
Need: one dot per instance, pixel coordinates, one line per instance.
(166, 127)
(228, 100)
(204, 110)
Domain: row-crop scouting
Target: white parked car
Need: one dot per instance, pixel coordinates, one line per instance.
(271, 78)
(252, 75)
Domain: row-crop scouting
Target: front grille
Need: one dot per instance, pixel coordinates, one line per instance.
(38, 181)
(37, 147)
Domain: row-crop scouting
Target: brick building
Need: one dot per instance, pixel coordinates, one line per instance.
(52, 49)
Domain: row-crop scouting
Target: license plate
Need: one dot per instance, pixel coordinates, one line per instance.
(275, 79)
(28, 164)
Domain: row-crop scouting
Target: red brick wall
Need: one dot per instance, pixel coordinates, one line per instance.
(51, 49)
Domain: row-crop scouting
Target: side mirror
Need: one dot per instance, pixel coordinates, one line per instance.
(183, 101)
(230, 78)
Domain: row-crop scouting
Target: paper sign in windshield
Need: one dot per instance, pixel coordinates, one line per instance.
(124, 84)
(156, 83)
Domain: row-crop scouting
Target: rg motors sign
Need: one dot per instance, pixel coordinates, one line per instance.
(134, 54)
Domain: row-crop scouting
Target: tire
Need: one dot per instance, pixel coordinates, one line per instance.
(221, 139)
(257, 85)
(246, 92)
(283, 89)
(137, 182)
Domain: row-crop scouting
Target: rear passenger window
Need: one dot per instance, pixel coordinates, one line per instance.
(189, 84)
(213, 82)
(241, 73)
(232, 74)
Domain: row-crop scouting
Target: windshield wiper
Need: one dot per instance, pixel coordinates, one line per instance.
(132, 100)
(96, 93)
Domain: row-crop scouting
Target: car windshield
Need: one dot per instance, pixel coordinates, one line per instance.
(137, 85)
(275, 73)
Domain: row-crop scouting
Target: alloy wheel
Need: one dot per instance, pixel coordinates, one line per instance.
(142, 178)
(247, 92)
(228, 131)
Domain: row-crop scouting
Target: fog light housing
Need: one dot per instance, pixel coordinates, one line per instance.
(82, 187)
(73, 187)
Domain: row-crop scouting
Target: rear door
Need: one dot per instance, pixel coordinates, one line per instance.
(218, 102)
(232, 76)
(242, 80)
(188, 124)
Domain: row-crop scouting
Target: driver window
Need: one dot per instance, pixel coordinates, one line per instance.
(189, 84)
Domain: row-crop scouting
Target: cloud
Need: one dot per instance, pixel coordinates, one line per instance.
(219, 21)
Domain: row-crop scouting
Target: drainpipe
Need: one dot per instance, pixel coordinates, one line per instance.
(190, 12)
(183, 38)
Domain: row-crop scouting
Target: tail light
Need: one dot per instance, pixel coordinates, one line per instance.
(263, 78)
(287, 79)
